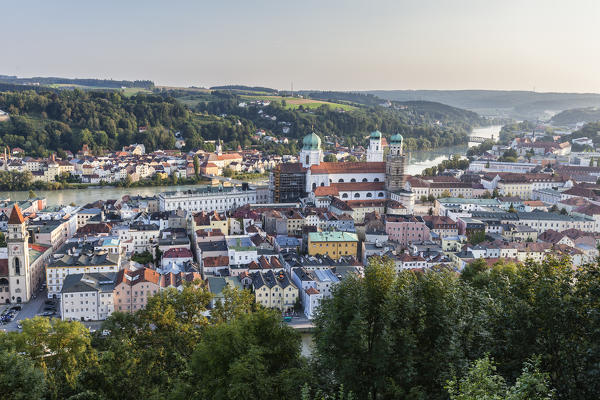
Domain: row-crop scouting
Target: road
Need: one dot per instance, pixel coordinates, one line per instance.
(28, 310)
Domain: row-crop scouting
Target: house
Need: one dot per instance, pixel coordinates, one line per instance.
(333, 244)
(87, 297)
(274, 290)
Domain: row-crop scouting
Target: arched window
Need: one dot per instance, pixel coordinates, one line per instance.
(369, 194)
(340, 181)
(3, 281)
(345, 196)
(17, 267)
(365, 180)
(322, 183)
(356, 195)
(314, 186)
(376, 180)
(377, 148)
(352, 180)
(380, 194)
(307, 159)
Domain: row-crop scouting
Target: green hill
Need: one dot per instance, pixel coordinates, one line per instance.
(573, 116)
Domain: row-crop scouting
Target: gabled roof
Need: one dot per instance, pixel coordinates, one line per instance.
(16, 217)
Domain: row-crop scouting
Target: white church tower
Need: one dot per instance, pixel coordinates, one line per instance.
(311, 153)
(375, 150)
(18, 257)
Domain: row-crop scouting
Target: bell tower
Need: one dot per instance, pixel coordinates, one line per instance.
(18, 257)
(394, 165)
(375, 149)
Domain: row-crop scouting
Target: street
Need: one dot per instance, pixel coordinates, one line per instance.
(28, 310)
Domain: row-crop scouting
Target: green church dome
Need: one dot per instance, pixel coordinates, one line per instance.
(396, 139)
(375, 135)
(311, 142)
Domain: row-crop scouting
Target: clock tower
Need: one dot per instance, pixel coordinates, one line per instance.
(18, 257)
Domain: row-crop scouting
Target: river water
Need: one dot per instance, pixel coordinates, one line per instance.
(416, 163)
(419, 160)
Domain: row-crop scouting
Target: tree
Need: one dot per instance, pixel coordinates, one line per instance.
(32, 194)
(511, 209)
(254, 356)
(227, 172)
(349, 329)
(330, 158)
(2, 240)
(476, 237)
(128, 181)
(352, 159)
(61, 349)
(431, 198)
(446, 193)
(236, 302)
(481, 382)
(19, 378)
(563, 211)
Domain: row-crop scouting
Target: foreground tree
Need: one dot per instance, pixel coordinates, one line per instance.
(481, 382)
(19, 378)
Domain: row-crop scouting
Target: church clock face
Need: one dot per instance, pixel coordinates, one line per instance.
(16, 250)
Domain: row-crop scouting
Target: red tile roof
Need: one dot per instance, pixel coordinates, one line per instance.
(178, 252)
(16, 217)
(348, 168)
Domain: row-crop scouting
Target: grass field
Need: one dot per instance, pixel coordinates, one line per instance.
(295, 102)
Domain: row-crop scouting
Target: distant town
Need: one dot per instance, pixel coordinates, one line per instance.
(292, 240)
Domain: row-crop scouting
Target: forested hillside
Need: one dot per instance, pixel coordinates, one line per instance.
(573, 116)
(511, 331)
(424, 125)
(518, 104)
(45, 120)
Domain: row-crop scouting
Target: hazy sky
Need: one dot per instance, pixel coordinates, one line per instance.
(318, 44)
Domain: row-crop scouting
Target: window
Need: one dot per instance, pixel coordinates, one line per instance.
(17, 266)
(352, 180)
(356, 195)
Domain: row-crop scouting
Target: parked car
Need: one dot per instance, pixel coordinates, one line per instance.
(16, 308)
(48, 302)
(47, 314)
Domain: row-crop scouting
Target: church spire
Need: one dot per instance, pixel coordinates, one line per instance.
(16, 217)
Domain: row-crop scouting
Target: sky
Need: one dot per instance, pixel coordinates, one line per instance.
(541, 45)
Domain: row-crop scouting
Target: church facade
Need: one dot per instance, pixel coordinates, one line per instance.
(367, 180)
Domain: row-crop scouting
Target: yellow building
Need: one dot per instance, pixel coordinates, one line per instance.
(274, 290)
(333, 244)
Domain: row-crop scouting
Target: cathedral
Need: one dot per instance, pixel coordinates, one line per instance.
(22, 273)
(373, 179)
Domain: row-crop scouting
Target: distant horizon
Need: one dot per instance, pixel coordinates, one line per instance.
(190, 86)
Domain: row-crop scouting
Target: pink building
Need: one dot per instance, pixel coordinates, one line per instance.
(406, 229)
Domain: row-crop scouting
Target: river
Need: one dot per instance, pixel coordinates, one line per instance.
(417, 162)
(421, 159)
